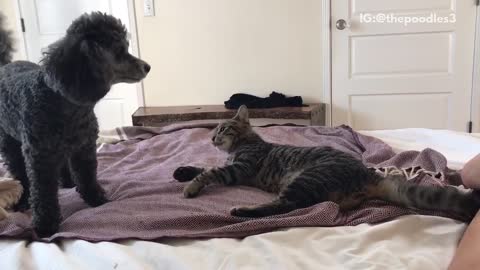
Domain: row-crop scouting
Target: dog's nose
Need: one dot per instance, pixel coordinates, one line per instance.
(146, 68)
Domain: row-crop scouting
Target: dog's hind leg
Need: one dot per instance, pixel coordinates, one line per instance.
(11, 151)
(83, 167)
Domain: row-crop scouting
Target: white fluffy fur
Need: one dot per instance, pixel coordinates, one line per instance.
(10, 192)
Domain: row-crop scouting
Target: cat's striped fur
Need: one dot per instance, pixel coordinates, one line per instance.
(304, 176)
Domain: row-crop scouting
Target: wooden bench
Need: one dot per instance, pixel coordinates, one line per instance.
(313, 114)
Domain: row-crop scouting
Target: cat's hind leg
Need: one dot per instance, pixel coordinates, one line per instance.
(310, 187)
(187, 173)
(297, 194)
(351, 201)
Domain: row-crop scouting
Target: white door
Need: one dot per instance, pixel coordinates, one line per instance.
(47, 20)
(387, 73)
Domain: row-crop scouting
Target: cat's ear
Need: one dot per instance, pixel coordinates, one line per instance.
(242, 114)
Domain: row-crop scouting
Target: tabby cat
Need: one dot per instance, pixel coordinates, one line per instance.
(304, 176)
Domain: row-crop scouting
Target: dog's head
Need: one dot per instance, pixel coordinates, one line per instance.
(91, 58)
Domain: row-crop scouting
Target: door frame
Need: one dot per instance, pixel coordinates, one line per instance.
(327, 60)
(132, 18)
(475, 101)
(132, 21)
(21, 45)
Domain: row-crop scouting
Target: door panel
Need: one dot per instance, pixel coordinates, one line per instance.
(46, 22)
(392, 75)
(64, 12)
(365, 6)
(408, 46)
(437, 116)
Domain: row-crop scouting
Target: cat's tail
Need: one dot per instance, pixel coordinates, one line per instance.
(6, 43)
(396, 189)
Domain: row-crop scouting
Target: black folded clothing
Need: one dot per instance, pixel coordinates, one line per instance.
(253, 102)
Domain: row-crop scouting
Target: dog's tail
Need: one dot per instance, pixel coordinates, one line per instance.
(6, 43)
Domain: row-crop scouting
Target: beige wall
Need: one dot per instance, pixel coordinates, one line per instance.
(203, 51)
(8, 10)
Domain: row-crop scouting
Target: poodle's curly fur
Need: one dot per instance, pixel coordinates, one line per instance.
(48, 127)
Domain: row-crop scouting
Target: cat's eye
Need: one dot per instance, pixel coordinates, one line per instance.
(222, 129)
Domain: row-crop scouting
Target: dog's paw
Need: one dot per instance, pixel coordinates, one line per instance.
(45, 231)
(97, 201)
(46, 226)
(95, 198)
(187, 173)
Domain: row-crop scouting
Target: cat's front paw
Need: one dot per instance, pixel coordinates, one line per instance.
(241, 212)
(187, 173)
(192, 190)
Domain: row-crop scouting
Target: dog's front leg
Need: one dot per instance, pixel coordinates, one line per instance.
(43, 171)
(83, 167)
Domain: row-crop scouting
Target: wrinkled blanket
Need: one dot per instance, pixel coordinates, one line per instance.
(147, 203)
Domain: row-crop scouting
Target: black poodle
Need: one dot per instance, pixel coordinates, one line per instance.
(48, 129)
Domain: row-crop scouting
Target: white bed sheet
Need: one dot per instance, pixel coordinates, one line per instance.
(458, 147)
(410, 242)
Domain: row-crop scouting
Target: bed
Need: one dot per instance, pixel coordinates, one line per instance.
(407, 242)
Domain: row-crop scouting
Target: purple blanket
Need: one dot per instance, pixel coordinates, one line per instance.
(147, 203)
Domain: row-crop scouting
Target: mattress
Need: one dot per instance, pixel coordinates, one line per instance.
(409, 242)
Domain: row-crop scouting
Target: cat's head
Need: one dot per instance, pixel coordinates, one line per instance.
(229, 133)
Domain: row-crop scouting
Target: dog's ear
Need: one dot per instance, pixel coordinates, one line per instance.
(78, 69)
